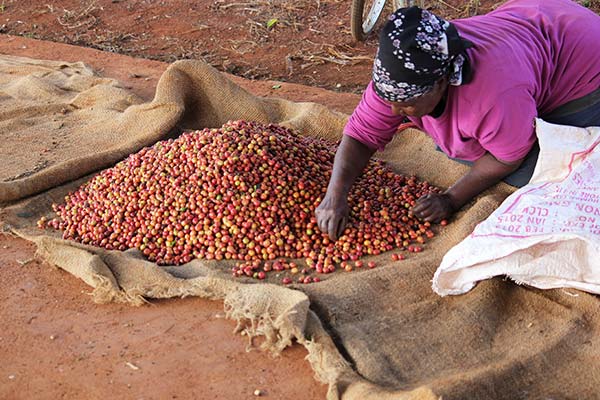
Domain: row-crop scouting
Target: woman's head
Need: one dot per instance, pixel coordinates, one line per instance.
(421, 105)
(418, 54)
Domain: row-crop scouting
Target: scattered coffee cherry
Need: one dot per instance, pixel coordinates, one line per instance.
(42, 222)
(415, 249)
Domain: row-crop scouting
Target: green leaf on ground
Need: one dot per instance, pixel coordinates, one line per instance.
(272, 22)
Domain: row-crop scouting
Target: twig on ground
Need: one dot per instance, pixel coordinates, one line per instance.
(241, 46)
(132, 366)
(330, 54)
(73, 20)
(449, 6)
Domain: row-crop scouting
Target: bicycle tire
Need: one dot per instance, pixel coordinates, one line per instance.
(360, 27)
(396, 4)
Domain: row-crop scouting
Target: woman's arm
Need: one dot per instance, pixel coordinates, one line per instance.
(506, 131)
(371, 126)
(351, 158)
(485, 172)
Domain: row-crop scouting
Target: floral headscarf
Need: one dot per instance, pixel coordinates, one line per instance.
(416, 48)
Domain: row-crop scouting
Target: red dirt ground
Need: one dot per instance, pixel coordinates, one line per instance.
(54, 341)
(310, 43)
(56, 344)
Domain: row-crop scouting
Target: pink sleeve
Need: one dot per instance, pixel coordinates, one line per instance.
(507, 131)
(372, 122)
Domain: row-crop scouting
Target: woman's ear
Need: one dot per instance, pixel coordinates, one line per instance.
(441, 84)
(443, 81)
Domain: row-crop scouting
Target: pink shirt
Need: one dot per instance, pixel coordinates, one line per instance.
(529, 57)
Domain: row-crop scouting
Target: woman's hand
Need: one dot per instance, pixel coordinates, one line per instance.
(351, 158)
(434, 207)
(332, 216)
(484, 173)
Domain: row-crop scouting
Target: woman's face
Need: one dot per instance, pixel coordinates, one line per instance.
(422, 105)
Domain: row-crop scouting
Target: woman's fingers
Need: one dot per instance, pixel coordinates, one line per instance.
(330, 223)
(331, 229)
(342, 226)
(423, 208)
(321, 221)
(433, 217)
(334, 226)
(332, 216)
(431, 208)
(338, 227)
(423, 203)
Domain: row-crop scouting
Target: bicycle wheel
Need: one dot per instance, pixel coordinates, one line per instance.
(396, 4)
(364, 15)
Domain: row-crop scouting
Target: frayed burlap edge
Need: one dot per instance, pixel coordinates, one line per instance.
(124, 277)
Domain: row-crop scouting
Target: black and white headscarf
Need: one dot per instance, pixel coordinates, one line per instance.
(416, 48)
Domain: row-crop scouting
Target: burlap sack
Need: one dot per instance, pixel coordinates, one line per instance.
(373, 334)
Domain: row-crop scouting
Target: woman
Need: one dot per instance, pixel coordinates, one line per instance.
(475, 86)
